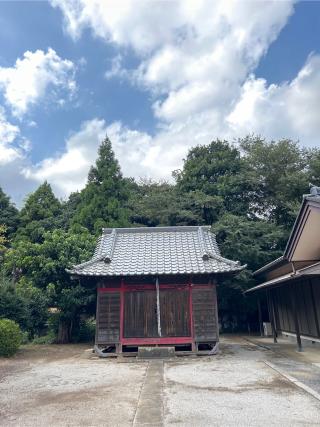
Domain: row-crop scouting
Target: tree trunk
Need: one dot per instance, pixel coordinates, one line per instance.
(64, 332)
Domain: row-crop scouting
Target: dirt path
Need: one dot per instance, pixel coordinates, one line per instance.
(68, 386)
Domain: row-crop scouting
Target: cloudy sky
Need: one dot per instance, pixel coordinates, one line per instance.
(157, 76)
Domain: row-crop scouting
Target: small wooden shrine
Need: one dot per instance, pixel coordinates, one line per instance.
(156, 287)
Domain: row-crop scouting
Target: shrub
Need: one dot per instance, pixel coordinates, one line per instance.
(87, 330)
(12, 305)
(24, 304)
(10, 337)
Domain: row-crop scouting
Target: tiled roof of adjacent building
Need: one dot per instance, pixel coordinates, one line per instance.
(156, 251)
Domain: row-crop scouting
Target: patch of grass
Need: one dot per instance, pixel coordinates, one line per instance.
(49, 338)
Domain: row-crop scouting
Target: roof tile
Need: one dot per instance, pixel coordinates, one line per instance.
(156, 250)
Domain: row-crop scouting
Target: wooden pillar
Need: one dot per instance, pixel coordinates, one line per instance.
(272, 317)
(260, 317)
(295, 315)
(97, 315)
(158, 307)
(119, 347)
(193, 344)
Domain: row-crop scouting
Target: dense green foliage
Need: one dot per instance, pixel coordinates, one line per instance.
(249, 192)
(43, 266)
(218, 178)
(41, 212)
(3, 238)
(10, 337)
(282, 171)
(103, 201)
(8, 215)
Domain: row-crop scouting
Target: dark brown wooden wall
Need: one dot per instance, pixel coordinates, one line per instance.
(140, 315)
(308, 307)
(175, 313)
(108, 317)
(205, 314)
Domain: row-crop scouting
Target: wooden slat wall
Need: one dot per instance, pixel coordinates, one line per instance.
(140, 314)
(204, 302)
(305, 310)
(305, 307)
(108, 318)
(282, 303)
(175, 316)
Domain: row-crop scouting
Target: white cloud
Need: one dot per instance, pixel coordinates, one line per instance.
(27, 81)
(32, 124)
(142, 25)
(13, 157)
(140, 156)
(8, 133)
(279, 111)
(194, 56)
(182, 41)
(197, 59)
(13, 183)
(68, 171)
(116, 69)
(290, 109)
(144, 155)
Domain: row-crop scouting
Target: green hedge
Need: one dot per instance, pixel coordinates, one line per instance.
(10, 337)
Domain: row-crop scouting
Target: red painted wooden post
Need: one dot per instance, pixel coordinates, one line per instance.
(121, 314)
(193, 344)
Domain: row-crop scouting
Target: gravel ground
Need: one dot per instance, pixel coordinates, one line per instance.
(67, 386)
(235, 388)
(70, 392)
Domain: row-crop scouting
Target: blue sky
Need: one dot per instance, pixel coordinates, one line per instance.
(157, 80)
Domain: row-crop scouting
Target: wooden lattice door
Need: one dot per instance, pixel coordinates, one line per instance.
(140, 314)
(175, 313)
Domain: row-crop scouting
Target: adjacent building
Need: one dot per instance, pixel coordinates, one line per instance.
(292, 282)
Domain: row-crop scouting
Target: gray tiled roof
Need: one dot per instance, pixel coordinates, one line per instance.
(156, 250)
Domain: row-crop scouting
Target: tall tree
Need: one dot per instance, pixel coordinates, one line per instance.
(155, 204)
(104, 199)
(282, 171)
(216, 178)
(314, 166)
(69, 208)
(251, 241)
(41, 212)
(8, 214)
